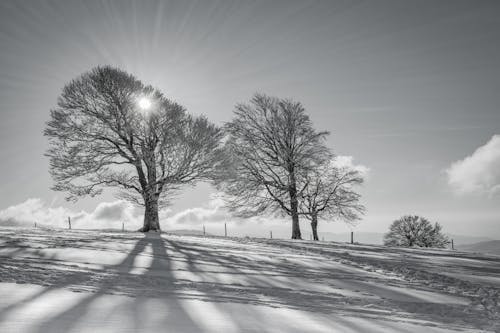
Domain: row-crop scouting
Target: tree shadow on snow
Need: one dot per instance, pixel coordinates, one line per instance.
(159, 274)
(216, 273)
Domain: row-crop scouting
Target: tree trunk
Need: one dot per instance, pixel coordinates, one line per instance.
(295, 226)
(294, 208)
(314, 226)
(151, 218)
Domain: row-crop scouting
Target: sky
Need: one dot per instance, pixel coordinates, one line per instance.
(408, 90)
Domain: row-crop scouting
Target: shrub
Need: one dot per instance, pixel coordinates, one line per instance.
(413, 230)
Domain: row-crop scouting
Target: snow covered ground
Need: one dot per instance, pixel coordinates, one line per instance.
(86, 281)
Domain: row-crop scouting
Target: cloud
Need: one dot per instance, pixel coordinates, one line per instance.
(479, 172)
(33, 210)
(111, 210)
(197, 216)
(213, 212)
(347, 162)
(111, 215)
(105, 215)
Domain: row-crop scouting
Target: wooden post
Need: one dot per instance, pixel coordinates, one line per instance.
(203, 230)
(225, 230)
(271, 234)
(352, 237)
(452, 245)
(123, 226)
(35, 224)
(69, 222)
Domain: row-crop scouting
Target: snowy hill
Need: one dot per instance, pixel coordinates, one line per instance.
(88, 281)
(483, 247)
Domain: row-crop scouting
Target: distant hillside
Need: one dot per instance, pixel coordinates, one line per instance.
(461, 240)
(492, 247)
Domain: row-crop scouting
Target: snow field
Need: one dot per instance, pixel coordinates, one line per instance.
(83, 281)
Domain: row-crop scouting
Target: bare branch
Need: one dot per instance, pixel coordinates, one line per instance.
(98, 137)
(270, 142)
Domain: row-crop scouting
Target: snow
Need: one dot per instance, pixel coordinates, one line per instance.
(89, 281)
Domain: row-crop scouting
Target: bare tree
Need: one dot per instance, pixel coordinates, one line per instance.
(99, 136)
(329, 193)
(412, 230)
(270, 142)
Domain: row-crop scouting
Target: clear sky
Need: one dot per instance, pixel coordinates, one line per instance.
(409, 89)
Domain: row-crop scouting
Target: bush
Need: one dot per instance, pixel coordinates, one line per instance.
(412, 230)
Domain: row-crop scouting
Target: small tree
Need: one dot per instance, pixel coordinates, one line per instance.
(412, 230)
(329, 193)
(270, 143)
(111, 130)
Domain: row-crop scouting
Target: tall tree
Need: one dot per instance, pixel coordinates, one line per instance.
(413, 230)
(329, 193)
(270, 143)
(111, 130)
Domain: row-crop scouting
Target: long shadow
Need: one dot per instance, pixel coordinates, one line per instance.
(159, 274)
(256, 286)
(32, 268)
(74, 313)
(271, 295)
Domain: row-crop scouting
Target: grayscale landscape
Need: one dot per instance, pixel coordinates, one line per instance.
(244, 166)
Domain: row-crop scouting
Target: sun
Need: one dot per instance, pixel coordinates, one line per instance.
(144, 103)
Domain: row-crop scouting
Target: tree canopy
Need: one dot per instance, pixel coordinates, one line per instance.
(270, 143)
(413, 230)
(100, 137)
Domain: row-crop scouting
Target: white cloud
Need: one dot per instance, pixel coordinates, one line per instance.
(114, 211)
(212, 215)
(33, 210)
(112, 214)
(105, 215)
(213, 212)
(479, 172)
(347, 162)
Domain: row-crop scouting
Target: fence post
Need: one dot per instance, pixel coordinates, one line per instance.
(69, 222)
(352, 237)
(123, 226)
(225, 230)
(203, 230)
(452, 245)
(271, 234)
(35, 224)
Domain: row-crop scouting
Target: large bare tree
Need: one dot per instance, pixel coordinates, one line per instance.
(111, 130)
(269, 143)
(330, 193)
